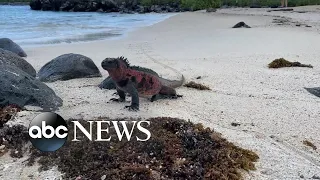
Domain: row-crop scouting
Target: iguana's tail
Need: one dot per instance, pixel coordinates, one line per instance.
(172, 83)
(167, 82)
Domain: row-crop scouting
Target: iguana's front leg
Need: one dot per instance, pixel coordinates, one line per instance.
(132, 90)
(122, 96)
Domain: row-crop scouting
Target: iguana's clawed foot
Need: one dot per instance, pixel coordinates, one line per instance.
(177, 96)
(116, 94)
(117, 100)
(133, 107)
(174, 97)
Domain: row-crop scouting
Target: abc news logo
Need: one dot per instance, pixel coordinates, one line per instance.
(48, 131)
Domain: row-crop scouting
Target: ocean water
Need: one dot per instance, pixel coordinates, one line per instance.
(28, 27)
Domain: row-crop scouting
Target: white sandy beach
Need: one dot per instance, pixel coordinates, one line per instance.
(276, 113)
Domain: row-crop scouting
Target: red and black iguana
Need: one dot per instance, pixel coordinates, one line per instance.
(139, 83)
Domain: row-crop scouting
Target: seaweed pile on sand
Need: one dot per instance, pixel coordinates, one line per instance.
(177, 149)
(13, 138)
(7, 113)
(310, 144)
(281, 62)
(195, 85)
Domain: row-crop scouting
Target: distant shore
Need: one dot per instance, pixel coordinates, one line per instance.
(69, 27)
(14, 3)
(274, 112)
(160, 6)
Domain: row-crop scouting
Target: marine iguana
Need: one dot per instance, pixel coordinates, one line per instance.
(138, 83)
(108, 83)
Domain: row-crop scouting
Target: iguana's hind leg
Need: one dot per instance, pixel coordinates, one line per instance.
(166, 93)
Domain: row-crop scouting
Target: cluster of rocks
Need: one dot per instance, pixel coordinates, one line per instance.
(22, 86)
(18, 81)
(123, 6)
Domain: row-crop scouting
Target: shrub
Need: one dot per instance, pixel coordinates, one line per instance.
(200, 4)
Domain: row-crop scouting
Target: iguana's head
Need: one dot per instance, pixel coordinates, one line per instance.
(110, 64)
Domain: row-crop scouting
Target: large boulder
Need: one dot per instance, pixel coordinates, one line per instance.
(7, 57)
(68, 66)
(18, 87)
(8, 44)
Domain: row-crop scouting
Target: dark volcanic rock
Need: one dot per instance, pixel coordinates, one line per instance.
(8, 44)
(35, 4)
(255, 6)
(285, 9)
(274, 6)
(315, 91)
(19, 88)
(211, 10)
(240, 25)
(68, 66)
(7, 57)
(66, 6)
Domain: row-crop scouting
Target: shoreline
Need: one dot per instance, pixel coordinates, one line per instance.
(77, 29)
(274, 112)
(315, 25)
(112, 37)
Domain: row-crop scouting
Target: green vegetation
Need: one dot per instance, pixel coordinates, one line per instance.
(291, 3)
(158, 2)
(203, 4)
(200, 4)
(191, 4)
